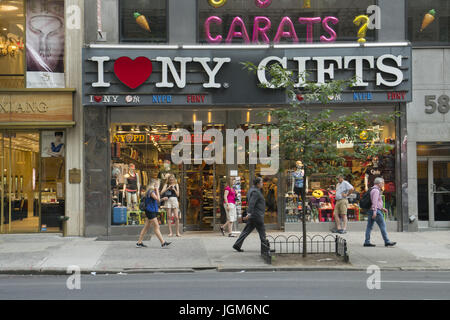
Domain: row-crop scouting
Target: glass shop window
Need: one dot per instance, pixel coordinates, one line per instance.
(143, 21)
(320, 188)
(288, 21)
(32, 42)
(12, 55)
(429, 22)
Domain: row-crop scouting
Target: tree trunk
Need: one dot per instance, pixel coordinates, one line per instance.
(304, 213)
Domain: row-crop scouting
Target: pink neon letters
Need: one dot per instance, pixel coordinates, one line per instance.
(208, 22)
(237, 21)
(263, 3)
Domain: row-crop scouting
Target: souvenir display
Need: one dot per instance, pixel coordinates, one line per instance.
(141, 20)
(428, 19)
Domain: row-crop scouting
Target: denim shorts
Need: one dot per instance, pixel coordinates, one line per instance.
(151, 215)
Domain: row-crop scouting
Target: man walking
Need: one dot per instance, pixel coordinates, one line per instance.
(343, 190)
(255, 215)
(377, 214)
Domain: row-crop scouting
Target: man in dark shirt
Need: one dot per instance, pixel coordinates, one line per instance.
(255, 215)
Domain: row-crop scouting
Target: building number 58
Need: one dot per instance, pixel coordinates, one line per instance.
(442, 104)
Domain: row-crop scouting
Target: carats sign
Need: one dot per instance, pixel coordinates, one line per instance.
(262, 25)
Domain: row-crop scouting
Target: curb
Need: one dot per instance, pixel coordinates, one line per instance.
(58, 271)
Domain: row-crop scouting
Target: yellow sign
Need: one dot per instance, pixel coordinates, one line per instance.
(130, 138)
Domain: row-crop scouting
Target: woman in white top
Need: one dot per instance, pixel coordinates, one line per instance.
(171, 190)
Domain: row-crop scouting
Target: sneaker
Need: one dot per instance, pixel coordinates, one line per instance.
(334, 230)
(238, 249)
(369, 245)
(140, 245)
(342, 231)
(390, 244)
(165, 244)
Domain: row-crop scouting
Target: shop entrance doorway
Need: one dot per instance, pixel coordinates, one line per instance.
(19, 157)
(434, 191)
(32, 166)
(201, 196)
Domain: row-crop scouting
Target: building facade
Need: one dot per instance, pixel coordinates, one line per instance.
(40, 51)
(428, 120)
(151, 69)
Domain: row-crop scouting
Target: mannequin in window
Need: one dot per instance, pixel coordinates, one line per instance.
(272, 197)
(297, 179)
(131, 187)
(115, 183)
(372, 172)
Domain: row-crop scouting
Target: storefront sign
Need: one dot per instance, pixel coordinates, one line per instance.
(130, 138)
(217, 76)
(396, 96)
(36, 106)
(362, 96)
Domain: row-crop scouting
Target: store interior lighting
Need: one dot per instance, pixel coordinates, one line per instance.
(8, 8)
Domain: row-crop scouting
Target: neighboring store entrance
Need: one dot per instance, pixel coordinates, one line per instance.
(19, 153)
(32, 181)
(434, 191)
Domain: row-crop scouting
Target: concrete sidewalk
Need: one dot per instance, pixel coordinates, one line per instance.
(52, 253)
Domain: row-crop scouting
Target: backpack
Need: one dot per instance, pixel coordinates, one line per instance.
(365, 202)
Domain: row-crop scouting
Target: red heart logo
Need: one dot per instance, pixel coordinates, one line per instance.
(133, 73)
(98, 98)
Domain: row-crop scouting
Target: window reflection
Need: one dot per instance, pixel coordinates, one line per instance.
(12, 56)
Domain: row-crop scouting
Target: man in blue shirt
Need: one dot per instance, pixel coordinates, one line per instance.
(343, 190)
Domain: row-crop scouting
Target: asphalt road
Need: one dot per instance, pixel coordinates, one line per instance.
(211, 285)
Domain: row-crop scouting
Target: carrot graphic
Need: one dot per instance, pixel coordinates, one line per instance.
(142, 21)
(427, 19)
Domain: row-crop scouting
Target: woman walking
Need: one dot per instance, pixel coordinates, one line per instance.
(151, 199)
(229, 203)
(171, 190)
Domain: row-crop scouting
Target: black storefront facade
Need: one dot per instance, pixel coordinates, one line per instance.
(135, 97)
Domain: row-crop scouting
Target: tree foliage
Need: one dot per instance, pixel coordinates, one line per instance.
(312, 135)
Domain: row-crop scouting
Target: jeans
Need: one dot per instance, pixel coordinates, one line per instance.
(381, 224)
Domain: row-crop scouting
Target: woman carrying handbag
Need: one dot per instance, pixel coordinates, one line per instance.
(151, 200)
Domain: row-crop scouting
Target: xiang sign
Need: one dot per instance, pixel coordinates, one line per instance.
(36, 106)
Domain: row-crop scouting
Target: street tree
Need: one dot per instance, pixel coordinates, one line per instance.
(311, 134)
